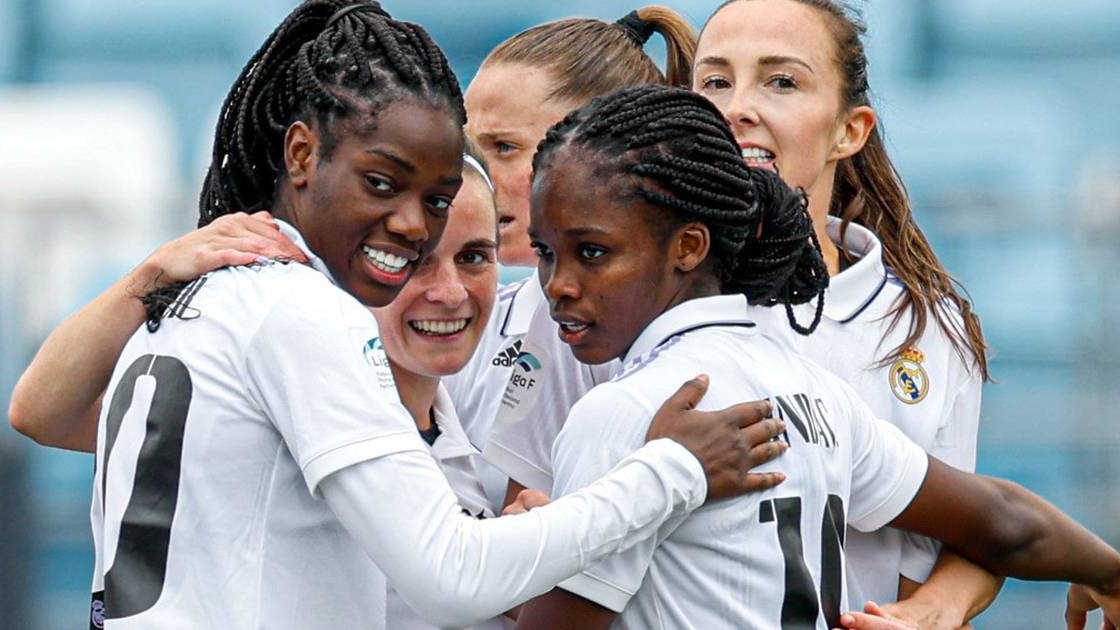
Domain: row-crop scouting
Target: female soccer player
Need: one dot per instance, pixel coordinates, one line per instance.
(653, 235)
(791, 78)
(253, 434)
(553, 73)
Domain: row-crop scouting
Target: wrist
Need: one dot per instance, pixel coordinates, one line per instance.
(144, 278)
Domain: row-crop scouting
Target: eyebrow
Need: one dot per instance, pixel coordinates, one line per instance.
(493, 134)
(769, 60)
(778, 60)
(481, 243)
(394, 158)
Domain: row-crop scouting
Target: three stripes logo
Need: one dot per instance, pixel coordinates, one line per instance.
(505, 358)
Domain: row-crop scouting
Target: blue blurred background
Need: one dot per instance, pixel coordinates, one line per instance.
(1000, 115)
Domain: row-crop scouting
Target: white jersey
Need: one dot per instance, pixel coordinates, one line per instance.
(543, 384)
(458, 459)
(476, 390)
(271, 390)
(210, 518)
(931, 394)
(765, 560)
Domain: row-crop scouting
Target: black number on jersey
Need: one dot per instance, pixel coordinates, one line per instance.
(802, 604)
(135, 581)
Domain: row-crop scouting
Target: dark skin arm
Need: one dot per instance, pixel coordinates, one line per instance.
(561, 610)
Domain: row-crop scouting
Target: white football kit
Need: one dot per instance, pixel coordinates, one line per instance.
(476, 390)
(930, 393)
(771, 559)
(224, 431)
(458, 459)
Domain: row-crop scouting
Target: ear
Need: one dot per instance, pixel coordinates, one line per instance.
(690, 247)
(301, 145)
(852, 132)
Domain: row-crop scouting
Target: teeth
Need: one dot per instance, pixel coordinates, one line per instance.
(384, 260)
(571, 327)
(439, 327)
(756, 154)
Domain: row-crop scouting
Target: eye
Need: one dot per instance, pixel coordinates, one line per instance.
(782, 82)
(380, 184)
(503, 148)
(440, 205)
(542, 250)
(591, 252)
(472, 257)
(715, 82)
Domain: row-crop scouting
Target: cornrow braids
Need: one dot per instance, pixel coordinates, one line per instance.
(328, 60)
(683, 157)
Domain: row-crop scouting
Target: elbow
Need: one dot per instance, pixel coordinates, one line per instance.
(22, 420)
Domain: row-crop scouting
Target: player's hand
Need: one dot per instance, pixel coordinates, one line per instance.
(1082, 599)
(875, 617)
(927, 615)
(728, 443)
(526, 500)
(233, 239)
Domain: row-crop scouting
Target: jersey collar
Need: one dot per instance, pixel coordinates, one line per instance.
(526, 299)
(852, 290)
(316, 263)
(453, 440)
(717, 310)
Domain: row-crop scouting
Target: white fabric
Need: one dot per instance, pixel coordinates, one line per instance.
(541, 387)
(723, 566)
(853, 336)
(290, 397)
(457, 459)
(476, 390)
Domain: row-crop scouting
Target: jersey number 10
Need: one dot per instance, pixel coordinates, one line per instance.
(801, 605)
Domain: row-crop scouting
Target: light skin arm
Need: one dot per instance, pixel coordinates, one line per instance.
(957, 591)
(58, 398)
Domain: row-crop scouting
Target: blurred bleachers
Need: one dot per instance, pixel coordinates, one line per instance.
(999, 114)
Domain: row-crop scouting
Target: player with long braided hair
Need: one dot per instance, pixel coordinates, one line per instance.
(653, 236)
(253, 444)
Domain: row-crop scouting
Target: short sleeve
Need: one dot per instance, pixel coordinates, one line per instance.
(604, 427)
(887, 468)
(316, 366)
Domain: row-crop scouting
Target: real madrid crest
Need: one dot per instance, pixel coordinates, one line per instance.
(909, 380)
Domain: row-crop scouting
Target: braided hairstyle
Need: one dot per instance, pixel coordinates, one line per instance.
(329, 61)
(678, 153)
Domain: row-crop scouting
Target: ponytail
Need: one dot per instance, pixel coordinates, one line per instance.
(587, 58)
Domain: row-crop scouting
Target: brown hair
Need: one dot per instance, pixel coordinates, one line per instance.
(589, 57)
(869, 191)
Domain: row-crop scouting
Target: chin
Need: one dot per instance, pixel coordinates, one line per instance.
(590, 355)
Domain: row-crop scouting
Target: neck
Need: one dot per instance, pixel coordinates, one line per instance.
(818, 211)
(417, 392)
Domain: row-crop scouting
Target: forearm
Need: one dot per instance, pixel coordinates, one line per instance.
(459, 570)
(56, 401)
(1008, 530)
(956, 591)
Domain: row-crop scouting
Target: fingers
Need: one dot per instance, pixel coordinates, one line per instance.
(748, 413)
(526, 500)
(689, 394)
(756, 482)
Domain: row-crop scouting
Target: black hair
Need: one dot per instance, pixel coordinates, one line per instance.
(327, 60)
(682, 157)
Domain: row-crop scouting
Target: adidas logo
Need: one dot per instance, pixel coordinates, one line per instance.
(505, 358)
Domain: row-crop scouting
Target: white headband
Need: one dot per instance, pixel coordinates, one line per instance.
(473, 163)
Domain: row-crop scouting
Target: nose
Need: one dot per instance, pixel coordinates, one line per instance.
(410, 221)
(446, 286)
(560, 284)
(741, 109)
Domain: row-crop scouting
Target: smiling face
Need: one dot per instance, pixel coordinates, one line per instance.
(433, 327)
(606, 273)
(508, 113)
(769, 65)
(377, 204)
